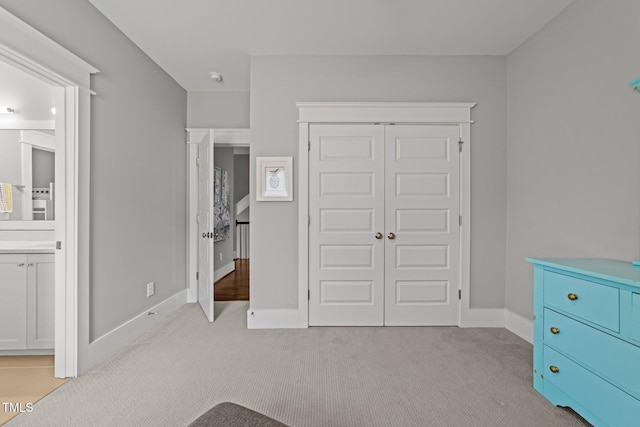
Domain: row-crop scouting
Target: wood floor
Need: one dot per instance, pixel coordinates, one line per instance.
(23, 381)
(235, 285)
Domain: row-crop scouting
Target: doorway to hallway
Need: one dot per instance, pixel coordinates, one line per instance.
(235, 285)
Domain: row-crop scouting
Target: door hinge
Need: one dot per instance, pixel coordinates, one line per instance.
(309, 294)
(308, 220)
(58, 244)
(460, 220)
(459, 294)
(309, 145)
(198, 219)
(197, 275)
(460, 145)
(198, 161)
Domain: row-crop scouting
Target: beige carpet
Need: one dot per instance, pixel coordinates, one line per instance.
(315, 377)
(23, 381)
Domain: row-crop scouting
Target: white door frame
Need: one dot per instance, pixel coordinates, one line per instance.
(450, 113)
(222, 137)
(29, 50)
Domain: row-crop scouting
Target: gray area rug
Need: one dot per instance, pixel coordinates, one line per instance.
(365, 376)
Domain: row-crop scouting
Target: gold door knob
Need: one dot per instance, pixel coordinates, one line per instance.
(554, 369)
(391, 236)
(572, 297)
(555, 330)
(378, 235)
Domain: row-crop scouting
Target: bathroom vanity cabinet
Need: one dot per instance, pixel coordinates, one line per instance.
(27, 301)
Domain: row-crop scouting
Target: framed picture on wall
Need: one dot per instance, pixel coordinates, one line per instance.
(274, 179)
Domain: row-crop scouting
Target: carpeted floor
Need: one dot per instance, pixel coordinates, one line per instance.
(314, 377)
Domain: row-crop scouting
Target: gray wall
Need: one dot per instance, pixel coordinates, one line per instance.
(138, 163)
(240, 177)
(43, 172)
(218, 109)
(223, 250)
(573, 151)
(277, 82)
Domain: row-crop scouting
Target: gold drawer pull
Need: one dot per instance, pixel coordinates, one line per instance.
(572, 297)
(554, 330)
(554, 369)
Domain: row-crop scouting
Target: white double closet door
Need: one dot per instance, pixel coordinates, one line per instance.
(384, 235)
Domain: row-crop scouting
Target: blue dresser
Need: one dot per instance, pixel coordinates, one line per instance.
(586, 349)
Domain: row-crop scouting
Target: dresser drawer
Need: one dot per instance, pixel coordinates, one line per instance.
(613, 358)
(592, 301)
(613, 406)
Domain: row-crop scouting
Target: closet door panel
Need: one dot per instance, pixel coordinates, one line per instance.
(422, 206)
(346, 207)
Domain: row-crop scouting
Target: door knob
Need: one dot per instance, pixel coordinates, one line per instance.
(378, 235)
(572, 297)
(391, 236)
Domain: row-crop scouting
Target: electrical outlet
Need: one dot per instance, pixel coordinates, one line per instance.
(151, 288)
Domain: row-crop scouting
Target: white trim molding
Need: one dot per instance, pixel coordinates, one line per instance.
(116, 339)
(223, 271)
(521, 326)
(275, 319)
(451, 113)
(384, 112)
(482, 318)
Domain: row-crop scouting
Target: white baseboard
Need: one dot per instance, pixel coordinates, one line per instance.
(274, 319)
(117, 338)
(482, 318)
(223, 271)
(521, 326)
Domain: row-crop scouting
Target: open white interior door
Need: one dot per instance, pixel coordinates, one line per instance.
(205, 225)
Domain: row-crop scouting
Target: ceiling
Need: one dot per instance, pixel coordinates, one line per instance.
(190, 38)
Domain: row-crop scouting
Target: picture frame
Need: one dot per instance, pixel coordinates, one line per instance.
(274, 179)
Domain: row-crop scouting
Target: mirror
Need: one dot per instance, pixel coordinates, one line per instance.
(27, 164)
(27, 147)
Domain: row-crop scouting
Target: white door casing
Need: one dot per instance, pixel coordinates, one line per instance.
(456, 114)
(29, 50)
(205, 226)
(223, 137)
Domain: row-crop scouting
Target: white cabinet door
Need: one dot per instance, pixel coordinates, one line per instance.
(346, 205)
(422, 207)
(13, 302)
(40, 301)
